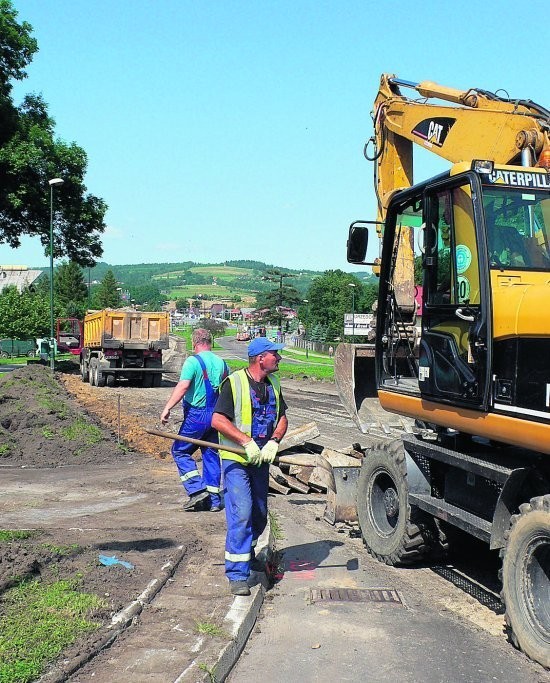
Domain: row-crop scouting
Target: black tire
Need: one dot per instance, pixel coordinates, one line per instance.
(100, 378)
(147, 381)
(526, 579)
(31, 354)
(393, 532)
(92, 377)
(3, 354)
(157, 380)
(84, 371)
(110, 380)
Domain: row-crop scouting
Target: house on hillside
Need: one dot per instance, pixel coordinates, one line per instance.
(20, 276)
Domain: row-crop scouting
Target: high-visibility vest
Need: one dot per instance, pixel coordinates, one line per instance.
(242, 402)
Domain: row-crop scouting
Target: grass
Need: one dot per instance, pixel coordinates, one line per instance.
(80, 429)
(274, 526)
(18, 360)
(8, 535)
(38, 622)
(4, 449)
(208, 629)
(310, 370)
(62, 550)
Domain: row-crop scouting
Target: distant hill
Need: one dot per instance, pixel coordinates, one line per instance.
(236, 280)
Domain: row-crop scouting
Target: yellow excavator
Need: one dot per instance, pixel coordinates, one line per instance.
(462, 347)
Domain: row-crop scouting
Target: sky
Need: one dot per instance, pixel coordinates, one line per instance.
(232, 129)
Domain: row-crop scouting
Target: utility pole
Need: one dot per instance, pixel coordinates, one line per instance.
(278, 276)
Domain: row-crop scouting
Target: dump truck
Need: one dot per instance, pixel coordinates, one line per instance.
(466, 366)
(124, 344)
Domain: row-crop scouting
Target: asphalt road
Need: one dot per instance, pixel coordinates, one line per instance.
(336, 614)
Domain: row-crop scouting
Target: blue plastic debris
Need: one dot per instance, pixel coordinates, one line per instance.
(109, 561)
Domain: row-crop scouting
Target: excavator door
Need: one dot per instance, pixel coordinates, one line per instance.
(453, 350)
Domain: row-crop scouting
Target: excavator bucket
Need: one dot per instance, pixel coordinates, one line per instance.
(356, 382)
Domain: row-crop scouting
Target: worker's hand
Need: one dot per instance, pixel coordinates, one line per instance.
(165, 416)
(269, 451)
(253, 452)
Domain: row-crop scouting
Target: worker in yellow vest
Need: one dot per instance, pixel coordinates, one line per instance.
(250, 412)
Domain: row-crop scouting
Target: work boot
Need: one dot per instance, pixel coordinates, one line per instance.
(239, 588)
(197, 501)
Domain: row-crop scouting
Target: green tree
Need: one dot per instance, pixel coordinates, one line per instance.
(106, 295)
(181, 305)
(148, 296)
(31, 154)
(70, 289)
(281, 294)
(329, 299)
(24, 315)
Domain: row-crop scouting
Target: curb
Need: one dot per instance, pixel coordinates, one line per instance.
(119, 622)
(239, 620)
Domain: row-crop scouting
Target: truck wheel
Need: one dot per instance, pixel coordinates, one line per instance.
(157, 380)
(31, 354)
(526, 579)
(93, 372)
(84, 371)
(110, 380)
(393, 531)
(147, 380)
(3, 354)
(100, 377)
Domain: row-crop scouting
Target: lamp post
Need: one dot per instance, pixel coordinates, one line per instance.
(350, 284)
(306, 301)
(53, 182)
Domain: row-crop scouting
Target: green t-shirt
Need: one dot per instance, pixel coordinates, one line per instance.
(191, 370)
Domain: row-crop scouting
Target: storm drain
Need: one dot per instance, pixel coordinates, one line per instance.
(355, 595)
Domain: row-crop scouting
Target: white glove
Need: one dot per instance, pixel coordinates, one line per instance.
(269, 451)
(253, 452)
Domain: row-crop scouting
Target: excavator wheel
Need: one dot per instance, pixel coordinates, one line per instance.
(526, 579)
(393, 531)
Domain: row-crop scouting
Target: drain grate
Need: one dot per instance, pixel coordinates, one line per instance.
(355, 595)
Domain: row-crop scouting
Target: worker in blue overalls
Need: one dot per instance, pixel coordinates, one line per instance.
(250, 413)
(201, 376)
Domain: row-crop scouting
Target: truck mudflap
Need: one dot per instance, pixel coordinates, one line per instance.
(354, 373)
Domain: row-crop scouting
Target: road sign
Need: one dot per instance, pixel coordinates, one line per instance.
(358, 325)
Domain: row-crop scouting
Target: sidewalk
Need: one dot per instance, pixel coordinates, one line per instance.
(338, 615)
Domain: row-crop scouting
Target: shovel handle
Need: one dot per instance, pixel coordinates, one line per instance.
(197, 442)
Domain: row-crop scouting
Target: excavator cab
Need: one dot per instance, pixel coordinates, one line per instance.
(464, 276)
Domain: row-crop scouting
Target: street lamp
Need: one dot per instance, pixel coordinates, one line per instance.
(52, 183)
(306, 301)
(350, 284)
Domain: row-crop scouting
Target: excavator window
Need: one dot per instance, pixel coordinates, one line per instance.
(518, 228)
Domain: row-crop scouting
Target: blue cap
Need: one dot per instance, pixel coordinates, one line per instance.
(261, 344)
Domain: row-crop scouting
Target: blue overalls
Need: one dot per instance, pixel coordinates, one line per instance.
(246, 486)
(197, 424)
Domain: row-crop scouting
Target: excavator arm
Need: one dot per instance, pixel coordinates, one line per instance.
(478, 125)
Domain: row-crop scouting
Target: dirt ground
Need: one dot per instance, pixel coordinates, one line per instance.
(79, 473)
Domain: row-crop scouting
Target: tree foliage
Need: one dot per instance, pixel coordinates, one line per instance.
(106, 295)
(280, 295)
(70, 290)
(31, 155)
(24, 315)
(329, 298)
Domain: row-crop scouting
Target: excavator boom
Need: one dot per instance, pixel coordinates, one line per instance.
(478, 125)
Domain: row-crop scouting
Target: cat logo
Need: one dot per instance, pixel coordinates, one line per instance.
(434, 131)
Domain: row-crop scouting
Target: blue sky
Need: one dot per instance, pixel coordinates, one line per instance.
(234, 130)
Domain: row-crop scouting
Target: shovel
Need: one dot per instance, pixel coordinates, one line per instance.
(312, 459)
